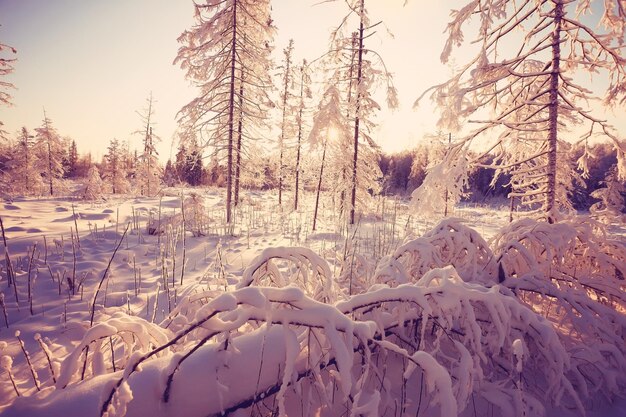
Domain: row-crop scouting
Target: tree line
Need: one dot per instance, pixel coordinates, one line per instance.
(520, 102)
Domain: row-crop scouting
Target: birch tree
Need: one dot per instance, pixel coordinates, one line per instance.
(225, 55)
(534, 91)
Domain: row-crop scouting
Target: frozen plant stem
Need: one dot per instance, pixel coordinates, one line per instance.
(75, 225)
(4, 310)
(7, 258)
(104, 275)
(27, 356)
(30, 285)
(46, 352)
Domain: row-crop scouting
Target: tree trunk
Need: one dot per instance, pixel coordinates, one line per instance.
(554, 112)
(342, 197)
(282, 128)
(319, 187)
(231, 115)
(295, 203)
(50, 166)
(355, 159)
(239, 134)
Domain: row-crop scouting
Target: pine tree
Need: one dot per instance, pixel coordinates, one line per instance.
(93, 189)
(180, 163)
(225, 54)
(286, 77)
(149, 171)
(612, 203)
(305, 93)
(72, 160)
(362, 74)
(532, 90)
(115, 170)
(50, 151)
(330, 125)
(24, 175)
(170, 176)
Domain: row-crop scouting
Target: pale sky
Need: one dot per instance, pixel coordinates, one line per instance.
(92, 63)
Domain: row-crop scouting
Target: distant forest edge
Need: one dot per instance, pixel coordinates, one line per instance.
(24, 170)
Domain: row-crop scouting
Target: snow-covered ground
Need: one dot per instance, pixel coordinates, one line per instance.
(160, 299)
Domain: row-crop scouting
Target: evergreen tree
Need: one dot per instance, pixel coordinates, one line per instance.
(532, 90)
(149, 171)
(286, 76)
(93, 189)
(24, 176)
(114, 169)
(363, 73)
(330, 126)
(305, 93)
(170, 177)
(50, 151)
(6, 68)
(225, 54)
(72, 160)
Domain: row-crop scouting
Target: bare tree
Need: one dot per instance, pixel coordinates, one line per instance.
(534, 92)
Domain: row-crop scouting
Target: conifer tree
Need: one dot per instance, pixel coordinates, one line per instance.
(533, 89)
(286, 77)
(72, 159)
(363, 69)
(50, 151)
(225, 54)
(93, 189)
(305, 93)
(149, 170)
(6, 68)
(24, 175)
(114, 169)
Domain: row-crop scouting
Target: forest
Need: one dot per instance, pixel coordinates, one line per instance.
(282, 262)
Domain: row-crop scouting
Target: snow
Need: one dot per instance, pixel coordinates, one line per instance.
(302, 324)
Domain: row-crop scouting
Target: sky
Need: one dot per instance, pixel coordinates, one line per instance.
(92, 64)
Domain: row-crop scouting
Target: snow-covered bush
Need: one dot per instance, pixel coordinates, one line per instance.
(572, 274)
(453, 327)
(93, 189)
(452, 341)
(611, 205)
(196, 217)
(448, 243)
(117, 339)
(445, 184)
(280, 267)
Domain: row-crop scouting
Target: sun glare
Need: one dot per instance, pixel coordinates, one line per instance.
(333, 134)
